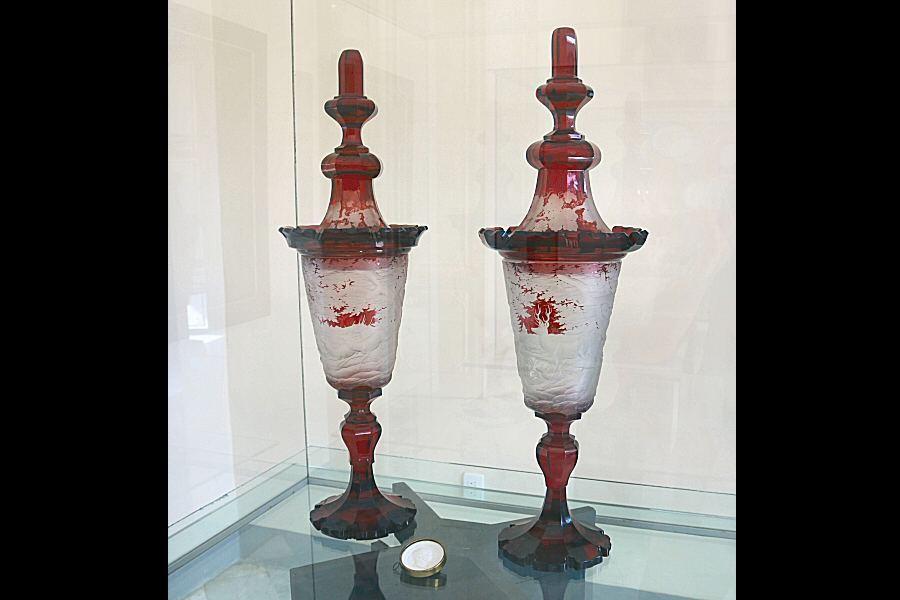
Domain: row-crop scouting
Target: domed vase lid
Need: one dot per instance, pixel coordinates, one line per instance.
(353, 224)
(563, 223)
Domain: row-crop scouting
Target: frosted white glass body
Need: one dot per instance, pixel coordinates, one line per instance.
(560, 313)
(356, 305)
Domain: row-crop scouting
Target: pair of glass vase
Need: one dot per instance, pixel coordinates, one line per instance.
(561, 266)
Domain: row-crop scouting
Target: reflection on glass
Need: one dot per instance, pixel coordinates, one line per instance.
(473, 569)
(365, 577)
(196, 309)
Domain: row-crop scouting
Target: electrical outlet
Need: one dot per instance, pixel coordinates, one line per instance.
(474, 485)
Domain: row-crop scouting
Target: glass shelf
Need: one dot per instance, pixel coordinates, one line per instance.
(201, 529)
(667, 543)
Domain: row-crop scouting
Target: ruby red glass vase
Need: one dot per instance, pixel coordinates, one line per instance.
(354, 269)
(561, 266)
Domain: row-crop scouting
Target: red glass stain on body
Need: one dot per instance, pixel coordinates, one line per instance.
(584, 225)
(366, 316)
(541, 311)
(605, 267)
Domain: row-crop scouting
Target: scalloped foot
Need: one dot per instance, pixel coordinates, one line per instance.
(350, 516)
(551, 547)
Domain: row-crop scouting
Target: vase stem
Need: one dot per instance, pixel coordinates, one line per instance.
(362, 512)
(554, 541)
(557, 453)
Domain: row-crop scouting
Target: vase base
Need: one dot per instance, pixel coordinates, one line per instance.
(350, 516)
(552, 547)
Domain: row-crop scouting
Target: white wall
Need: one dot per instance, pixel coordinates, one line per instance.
(235, 381)
(454, 83)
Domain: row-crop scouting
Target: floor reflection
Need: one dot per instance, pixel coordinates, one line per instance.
(554, 586)
(365, 577)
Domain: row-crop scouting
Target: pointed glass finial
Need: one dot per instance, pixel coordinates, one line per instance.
(353, 225)
(564, 51)
(350, 73)
(351, 167)
(562, 199)
(563, 222)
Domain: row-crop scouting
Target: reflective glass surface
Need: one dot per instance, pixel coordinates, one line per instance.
(278, 555)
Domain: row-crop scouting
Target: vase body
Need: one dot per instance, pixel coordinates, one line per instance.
(356, 304)
(560, 312)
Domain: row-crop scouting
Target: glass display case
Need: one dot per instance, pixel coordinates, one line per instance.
(256, 366)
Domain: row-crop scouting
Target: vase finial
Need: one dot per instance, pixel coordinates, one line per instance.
(564, 50)
(350, 73)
